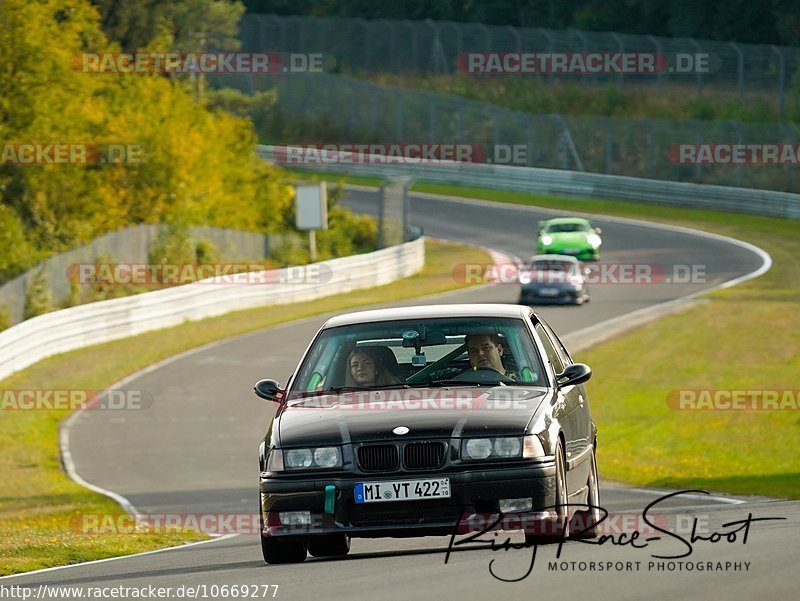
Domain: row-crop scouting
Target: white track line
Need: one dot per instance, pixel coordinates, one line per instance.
(661, 493)
(107, 559)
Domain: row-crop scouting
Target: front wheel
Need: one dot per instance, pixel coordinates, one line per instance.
(560, 529)
(584, 522)
(329, 545)
(285, 549)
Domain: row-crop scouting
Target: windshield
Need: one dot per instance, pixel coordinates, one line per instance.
(421, 353)
(553, 265)
(557, 228)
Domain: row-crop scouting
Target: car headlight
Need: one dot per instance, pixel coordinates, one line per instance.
(533, 448)
(490, 448)
(275, 461)
(316, 458)
(593, 240)
(547, 240)
(507, 447)
(327, 456)
(298, 458)
(478, 448)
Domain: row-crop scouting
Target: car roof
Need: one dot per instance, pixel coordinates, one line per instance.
(430, 312)
(562, 258)
(567, 220)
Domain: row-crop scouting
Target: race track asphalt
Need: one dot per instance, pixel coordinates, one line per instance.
(193, 451)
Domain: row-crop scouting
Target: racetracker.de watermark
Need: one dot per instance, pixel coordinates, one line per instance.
(726, 153)
(594, 273)
(219, 63)
(348, 153)
(166, 523)
(48, 399)
(417, 399)
(216, 274)
(67, 153)
(584, 63)
(604, 524)
(730, 399)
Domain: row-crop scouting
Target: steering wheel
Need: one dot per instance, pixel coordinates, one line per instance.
(483, 375)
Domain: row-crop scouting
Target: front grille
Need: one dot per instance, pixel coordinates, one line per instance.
(404, 513)
(423, 455)
(378, 458)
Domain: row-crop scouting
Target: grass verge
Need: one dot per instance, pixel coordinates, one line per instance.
(745, 338)
(40, 507)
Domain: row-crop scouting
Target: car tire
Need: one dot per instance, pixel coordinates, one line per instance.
(284, 549)
(561, 500)
(329, 545)
(590, 516)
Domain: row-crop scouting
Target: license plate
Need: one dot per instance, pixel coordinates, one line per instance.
(572, 251)
(548, 292)
(402, 490)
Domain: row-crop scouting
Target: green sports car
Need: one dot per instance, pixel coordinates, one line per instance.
(573, 236)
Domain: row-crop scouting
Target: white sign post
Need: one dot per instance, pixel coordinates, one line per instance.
(311, 212)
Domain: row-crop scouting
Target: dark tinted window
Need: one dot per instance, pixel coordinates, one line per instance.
(557, 228)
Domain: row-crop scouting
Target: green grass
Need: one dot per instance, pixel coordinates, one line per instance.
(357, 180)
(746, 337)
(38, 501)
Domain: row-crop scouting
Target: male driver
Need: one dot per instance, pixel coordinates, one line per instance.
(485, 351)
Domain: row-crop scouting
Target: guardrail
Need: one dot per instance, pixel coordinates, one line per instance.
(131, 245)
(554, 181)
(39, 337)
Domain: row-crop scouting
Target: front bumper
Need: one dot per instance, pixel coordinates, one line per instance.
(473, 492)
(582, 254)
(564, 295)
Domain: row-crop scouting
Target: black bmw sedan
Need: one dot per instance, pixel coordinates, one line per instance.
(427, 420)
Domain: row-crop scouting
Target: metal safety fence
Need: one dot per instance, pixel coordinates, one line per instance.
(694, 66)
(132, 245)
(339, 110)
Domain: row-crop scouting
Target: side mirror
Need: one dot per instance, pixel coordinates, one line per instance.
(269, 390)
(577, 373)
(598, 230)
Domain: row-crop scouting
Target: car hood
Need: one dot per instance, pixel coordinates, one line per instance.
(427, 413)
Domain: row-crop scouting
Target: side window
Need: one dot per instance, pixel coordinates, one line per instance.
(562, 352)
(549, 349)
